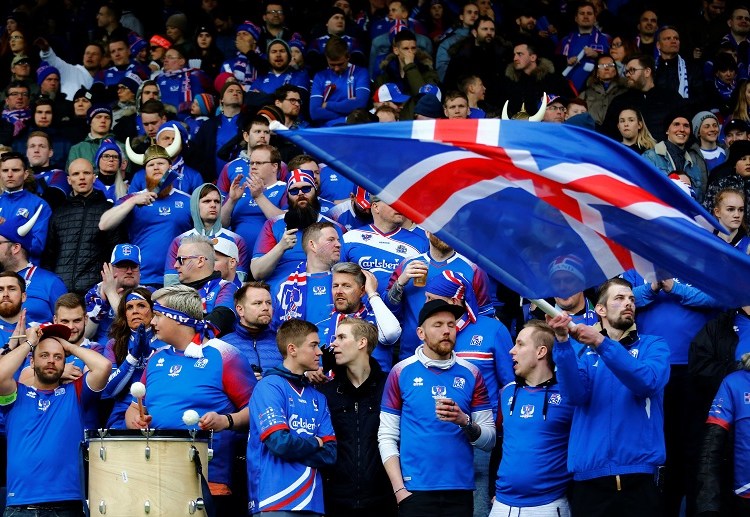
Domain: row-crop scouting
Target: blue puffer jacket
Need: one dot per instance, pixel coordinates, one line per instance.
(618, 394)
(260, 349)
(695, 166)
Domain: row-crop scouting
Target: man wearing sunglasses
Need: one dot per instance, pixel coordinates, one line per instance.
(278, 249)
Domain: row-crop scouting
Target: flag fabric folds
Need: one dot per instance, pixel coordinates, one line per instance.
(515, 196)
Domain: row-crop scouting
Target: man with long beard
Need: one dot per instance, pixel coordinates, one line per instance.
(153, 216)
(12, 296)
(278, 250)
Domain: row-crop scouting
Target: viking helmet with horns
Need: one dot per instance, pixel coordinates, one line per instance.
(154, 151)
(523, 114)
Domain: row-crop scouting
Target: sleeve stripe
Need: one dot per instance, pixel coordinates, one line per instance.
(719, 422)
(278, 427)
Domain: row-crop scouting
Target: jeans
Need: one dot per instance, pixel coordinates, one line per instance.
(26, 511)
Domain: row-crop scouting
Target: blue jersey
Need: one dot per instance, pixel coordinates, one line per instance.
(317, 296)
(414, 298)
(44, 429)
(410, 393)
(381, 253)
(278, 484)
(486, 344)
(23, 204)
(344, 214)
(247, 217)
(271, 81)
(243, 71)
(731, 409)
(152, 228)
(43, 288)
(536, 428)
(341, 93)
(178, 89)
(217, 293)
(243, 254)
(114, 74)
(220, 381)
(573, 44)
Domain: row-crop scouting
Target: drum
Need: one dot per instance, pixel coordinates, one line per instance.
(133, 474)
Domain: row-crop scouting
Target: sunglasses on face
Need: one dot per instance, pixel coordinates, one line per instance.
(296, 190)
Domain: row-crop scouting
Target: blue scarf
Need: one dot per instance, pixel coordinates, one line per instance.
(17, 118)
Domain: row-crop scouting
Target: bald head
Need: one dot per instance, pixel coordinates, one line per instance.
(81, 177)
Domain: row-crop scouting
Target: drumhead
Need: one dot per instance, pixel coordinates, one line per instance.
(137, 434)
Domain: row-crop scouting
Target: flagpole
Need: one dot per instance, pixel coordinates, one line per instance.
(549, 309)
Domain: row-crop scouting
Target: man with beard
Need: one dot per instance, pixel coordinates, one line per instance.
(349, 285)
(280, 73)
(12, 297)
(252, 332)
(288, 99)
(17, 202)
(406, 299)
(277, 249)
(39, 152)
(306, 292)
(255, 194)
(155, 216)
(616, 387)
(195, 268)
(42, 287)
(123, 272)
(434, 393)
(44, 421)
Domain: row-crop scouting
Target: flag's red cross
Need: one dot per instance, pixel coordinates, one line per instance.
(430, 193)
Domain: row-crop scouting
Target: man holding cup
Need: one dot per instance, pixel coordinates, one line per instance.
(438, 394)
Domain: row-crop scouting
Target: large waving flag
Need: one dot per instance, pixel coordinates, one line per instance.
(515, 196)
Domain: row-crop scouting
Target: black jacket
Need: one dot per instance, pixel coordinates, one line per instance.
(76, 248)
(358, 480)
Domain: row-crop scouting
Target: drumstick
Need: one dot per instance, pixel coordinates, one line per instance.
(549, 310)
(138, 390)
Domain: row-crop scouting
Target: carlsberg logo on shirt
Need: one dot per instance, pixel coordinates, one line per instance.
(301, 424)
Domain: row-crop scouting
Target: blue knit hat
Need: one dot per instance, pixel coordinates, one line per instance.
(250, 27)
(108, 144)
(95, 110)
(45, 70)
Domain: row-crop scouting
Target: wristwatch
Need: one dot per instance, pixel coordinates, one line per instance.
(468, 422)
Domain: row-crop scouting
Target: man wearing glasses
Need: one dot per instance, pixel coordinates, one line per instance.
(16, 114)
(273, 24)
(288, 99)
(653, 101)
(255, 196)
(195, 268)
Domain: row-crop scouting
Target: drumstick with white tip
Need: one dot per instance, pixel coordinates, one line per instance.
(138, 390)
(550, 310)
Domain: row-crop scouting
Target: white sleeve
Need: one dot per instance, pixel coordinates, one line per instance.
(486, 423)
(389, 329)
(389, 435)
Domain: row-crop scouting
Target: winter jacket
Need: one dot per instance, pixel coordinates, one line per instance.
(695, 166)
(260, 349)
(76, 247)
(598, 99)
(519, 89)
(358, 479)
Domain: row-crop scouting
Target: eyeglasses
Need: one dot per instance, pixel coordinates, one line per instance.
(557, 108)
(275, 11)
(110, 157)
(16, 37)
(631, 71)
(258, 164)
(604, 66)
(18, 94)
(294, 101)
(181, 259)
(296, 190)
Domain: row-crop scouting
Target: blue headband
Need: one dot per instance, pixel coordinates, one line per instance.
(202, 327)
(133, 296)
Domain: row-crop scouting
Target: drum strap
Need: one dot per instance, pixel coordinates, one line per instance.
(208, 499)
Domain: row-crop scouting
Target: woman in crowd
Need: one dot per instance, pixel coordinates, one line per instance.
(729, 209)
(603, 86)
(634, 132)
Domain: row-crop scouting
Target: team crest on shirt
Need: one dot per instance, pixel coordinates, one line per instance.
(43, 405)
(439, 392)
(319, 290)
(527, 411)
(175, 370)
(165, 210)
(459, 382)
(633, 352)
(179, 204)
(210, 296)
(555, 399)
(160, 362)
(476, 340)
(418, 381)
(366, 237)
(201, 363)
(315, 404)
(23, 212)
(401, 249)
(747, 398)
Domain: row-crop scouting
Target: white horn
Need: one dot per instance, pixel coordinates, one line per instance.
(539, 116)
(174, 148)
(132, 155)
(26, 227)
(505, 116)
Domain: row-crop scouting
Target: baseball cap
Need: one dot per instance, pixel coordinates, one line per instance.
(431, 89)
(20, 59)
(126, 253)
(226, 247)
(54, 330)
(435, 306)
(736, 124)
(389, 92)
